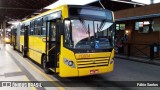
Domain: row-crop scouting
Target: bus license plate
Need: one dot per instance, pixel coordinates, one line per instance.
(93, 71)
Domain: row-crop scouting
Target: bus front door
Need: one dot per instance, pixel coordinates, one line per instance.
(14, 38)
(51, 49)
(25, 47)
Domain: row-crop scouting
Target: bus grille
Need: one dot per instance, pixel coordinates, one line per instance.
(84, 63)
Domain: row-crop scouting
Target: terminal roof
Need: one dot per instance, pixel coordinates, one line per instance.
(18, 9)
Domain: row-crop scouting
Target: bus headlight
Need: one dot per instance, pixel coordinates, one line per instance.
(6, 39)
(69, 62)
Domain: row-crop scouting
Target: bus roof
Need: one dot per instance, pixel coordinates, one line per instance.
(58, 9)
(45, 13)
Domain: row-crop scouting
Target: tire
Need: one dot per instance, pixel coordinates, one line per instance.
(23, 53)
(44, 65)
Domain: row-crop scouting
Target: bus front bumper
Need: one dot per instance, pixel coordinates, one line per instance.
(95, 70)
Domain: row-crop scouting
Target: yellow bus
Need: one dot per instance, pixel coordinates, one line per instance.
(7, 37)
(15, 37)
(70, 40)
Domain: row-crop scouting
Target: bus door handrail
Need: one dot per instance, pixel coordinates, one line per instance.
(51, 48)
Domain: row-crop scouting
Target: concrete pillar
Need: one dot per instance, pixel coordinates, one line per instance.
(4, 32)
(1, 37)
(1, 27)
(152, 1)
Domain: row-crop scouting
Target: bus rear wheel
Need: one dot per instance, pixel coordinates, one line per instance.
(44, 65)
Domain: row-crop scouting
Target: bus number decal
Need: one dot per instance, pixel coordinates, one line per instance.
(84, 56)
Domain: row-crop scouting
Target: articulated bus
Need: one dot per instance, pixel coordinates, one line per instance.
(70, 40)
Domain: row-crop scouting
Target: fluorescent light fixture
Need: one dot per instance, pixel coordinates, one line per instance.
(137, 3)
(69, 2)
(8, 29)
(146, 1)
(36, 13)
(142, 1)
(14, 22)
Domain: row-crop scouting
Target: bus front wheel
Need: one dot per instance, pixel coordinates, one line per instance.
(44, 65)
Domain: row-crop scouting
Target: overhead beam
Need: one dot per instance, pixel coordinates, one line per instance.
(4, 32)
(25, 4)
(17, 8)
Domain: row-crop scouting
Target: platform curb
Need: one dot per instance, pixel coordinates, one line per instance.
(147, 61)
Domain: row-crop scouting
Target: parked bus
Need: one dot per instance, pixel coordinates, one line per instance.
(14, 38)
(70, 40)
(7, 37)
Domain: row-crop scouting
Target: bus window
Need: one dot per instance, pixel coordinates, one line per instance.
(22, 30)
(36, 27)
(82, 34)
(43, 32)
(53, 31)
(32, 28)
(68, 41)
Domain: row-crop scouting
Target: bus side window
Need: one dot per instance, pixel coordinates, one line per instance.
(43, 30)
(32, 28)
(35, 28)
(53, 28)
(22, 30)
(39, 26)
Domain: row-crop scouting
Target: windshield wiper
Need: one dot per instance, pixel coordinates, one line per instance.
(101, 25)
(86, 30)
(83, 24)
(89, 32)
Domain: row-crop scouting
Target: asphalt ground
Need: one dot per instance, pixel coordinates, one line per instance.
(127, 75)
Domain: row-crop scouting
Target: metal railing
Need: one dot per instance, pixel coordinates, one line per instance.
(156, 50)
(150, 51)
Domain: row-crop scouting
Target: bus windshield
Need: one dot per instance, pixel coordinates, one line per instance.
(88, 34)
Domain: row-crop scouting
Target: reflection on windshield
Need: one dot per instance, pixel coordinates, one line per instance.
(84, 34)
(79, 32)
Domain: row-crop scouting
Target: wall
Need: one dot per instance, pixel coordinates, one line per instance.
(140, 42)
